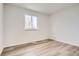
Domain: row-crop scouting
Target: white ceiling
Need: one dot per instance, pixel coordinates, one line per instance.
(47, 8)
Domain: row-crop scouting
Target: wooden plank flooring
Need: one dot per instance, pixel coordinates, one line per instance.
(48, 48)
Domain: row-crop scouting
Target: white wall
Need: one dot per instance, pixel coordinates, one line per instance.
(14, 26)
(1, 27)
(65, 25)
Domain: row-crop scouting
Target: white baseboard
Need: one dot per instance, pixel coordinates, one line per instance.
(63, 41)
(52, 37)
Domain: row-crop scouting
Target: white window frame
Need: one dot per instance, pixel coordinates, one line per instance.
(31, 25)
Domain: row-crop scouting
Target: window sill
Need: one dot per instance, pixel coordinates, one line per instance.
(31, 30)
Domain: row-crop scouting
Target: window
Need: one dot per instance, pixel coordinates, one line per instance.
(30, 22)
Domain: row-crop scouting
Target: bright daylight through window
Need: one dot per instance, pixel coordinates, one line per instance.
(30, 22)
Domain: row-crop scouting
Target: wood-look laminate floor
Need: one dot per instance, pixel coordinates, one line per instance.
(50, 48)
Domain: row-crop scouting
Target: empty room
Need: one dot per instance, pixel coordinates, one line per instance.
(39, 29)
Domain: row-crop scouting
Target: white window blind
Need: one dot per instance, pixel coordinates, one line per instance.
(30, 22)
